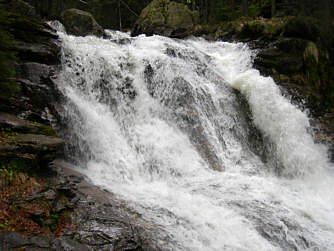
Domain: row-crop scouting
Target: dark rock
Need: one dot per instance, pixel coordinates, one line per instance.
(285, 56)
(43, 53)
(37, 49)
(35, 149)
(80, 23)
(67, 244)
(12, 240)
(49, 194)
(15, 124)
(183, 102)
(166, 18)
(303, 27)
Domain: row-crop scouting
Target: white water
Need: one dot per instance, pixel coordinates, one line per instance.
(157, 122)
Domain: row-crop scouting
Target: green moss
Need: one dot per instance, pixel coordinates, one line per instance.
(45, 130)
(17, 165)
(6, 133)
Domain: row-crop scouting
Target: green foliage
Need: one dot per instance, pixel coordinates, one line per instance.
(7, 73)
(6, 133)
(7, 172)
(15, 166)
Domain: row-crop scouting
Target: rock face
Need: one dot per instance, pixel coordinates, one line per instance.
(37, 57)
(27, 139)
(27, 144)
(166, 18)
(80, 23)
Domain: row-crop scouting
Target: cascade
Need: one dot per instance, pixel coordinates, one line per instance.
(197, 142)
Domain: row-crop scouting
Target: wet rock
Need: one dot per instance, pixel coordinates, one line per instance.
(16, 124)
(284, 56)
(68, 245)
(49, 194)
(181, 98)
(46, 54)
(35, 149)
(37, 51)
(80, 23)
(13, 241)
(166, 18)
(303, 27)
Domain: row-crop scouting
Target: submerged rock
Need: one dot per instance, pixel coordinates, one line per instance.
(166, 18)
(80, 23)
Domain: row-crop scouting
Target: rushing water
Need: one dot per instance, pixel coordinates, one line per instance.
(197, 142)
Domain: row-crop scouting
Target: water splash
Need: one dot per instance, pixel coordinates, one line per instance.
(158, 122)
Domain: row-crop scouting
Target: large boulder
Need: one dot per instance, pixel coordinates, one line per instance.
(80, 23)
(166, 18)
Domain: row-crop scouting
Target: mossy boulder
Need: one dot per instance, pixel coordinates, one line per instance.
(246, 29)
(166, 18)
(80, 23)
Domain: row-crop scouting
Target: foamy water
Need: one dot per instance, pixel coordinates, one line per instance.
(158, 122)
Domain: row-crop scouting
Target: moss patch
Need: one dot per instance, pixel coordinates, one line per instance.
(45, 130)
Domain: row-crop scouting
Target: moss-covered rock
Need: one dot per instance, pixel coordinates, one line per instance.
(80, 23)
(166, 18)
(246, 29)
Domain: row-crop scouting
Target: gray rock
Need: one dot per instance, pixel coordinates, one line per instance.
(34, 149)
(12, 240)
(15, 124)
(80, 23)
(65, 244)
(166, 18)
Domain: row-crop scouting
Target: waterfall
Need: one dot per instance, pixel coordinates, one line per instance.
(197, 142)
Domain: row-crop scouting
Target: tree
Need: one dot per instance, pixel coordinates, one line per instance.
(273, 8)
(245, 8)
(325, 15)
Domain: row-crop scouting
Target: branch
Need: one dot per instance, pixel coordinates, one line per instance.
(127, 6)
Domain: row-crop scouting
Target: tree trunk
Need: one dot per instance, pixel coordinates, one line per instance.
(302, 7)
(119, 15)
(273, 8)
(245, 8)
(233, 8)
(326, 15)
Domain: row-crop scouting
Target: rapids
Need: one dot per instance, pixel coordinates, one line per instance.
(197, 142)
